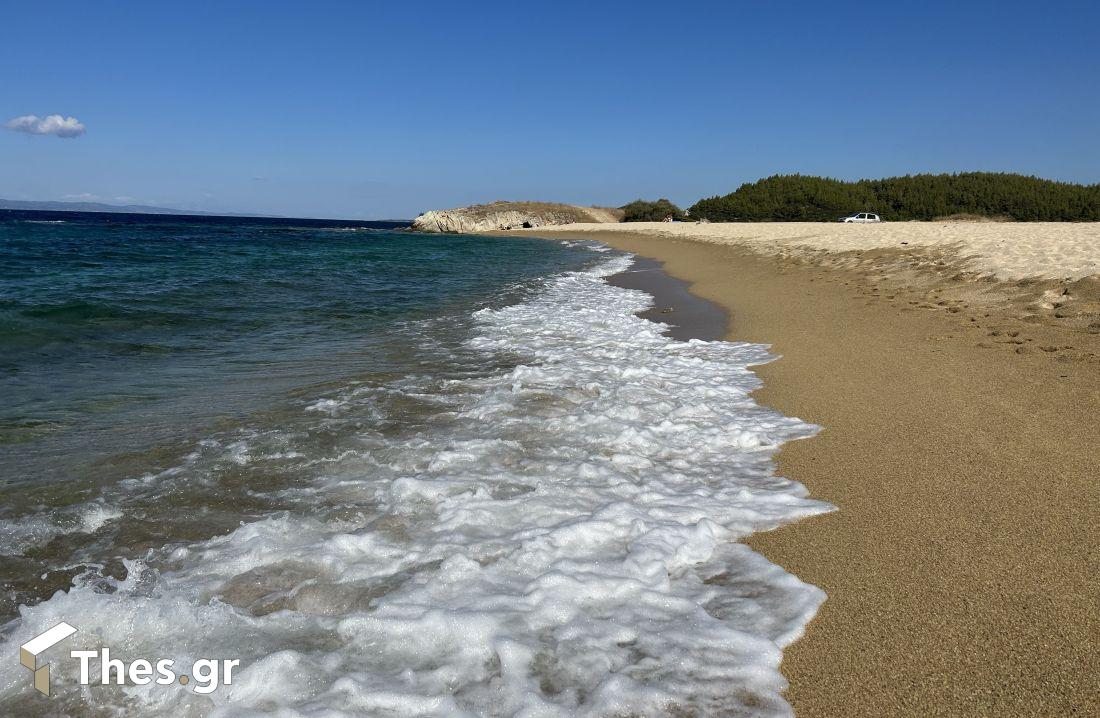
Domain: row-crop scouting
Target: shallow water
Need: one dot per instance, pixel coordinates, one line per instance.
(392, 474)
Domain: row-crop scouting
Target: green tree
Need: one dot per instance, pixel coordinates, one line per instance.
(641, 210)
(801, 198)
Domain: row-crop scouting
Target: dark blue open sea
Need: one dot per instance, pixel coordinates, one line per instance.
(391, 473)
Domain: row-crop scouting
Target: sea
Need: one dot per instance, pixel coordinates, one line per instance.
(388, 473)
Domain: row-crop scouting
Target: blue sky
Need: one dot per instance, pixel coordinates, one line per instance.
(378, 110)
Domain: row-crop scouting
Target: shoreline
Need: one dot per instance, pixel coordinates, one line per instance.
(523, 477)
(687, 315)
(960, 447)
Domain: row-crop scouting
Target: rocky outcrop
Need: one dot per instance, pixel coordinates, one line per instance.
(510, 215)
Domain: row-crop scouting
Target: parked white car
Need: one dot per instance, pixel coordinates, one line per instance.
(861, 217)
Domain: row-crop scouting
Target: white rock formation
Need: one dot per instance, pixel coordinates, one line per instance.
(509, 215)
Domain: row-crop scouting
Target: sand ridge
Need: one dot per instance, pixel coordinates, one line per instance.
(1004, 250)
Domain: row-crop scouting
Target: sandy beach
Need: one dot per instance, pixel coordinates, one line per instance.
(955, 370)
(1006, 250)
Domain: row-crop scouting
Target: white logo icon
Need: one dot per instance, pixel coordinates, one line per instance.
(32, 649)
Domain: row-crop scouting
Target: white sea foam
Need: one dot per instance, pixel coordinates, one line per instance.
(560, 539)
(34, 530)
(589, 244)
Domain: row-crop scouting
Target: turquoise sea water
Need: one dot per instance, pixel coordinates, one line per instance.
(124, 340)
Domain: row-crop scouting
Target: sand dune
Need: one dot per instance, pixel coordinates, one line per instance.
(1007, 251)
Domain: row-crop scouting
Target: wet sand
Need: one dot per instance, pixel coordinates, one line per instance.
(961, 443)
(687, 315)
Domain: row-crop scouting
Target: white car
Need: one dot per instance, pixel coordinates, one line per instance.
(861, 217)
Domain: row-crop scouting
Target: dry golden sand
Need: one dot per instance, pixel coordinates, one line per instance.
(961, 445)
(1007, 250)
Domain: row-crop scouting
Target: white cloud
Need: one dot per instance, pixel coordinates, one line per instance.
(49, 125)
